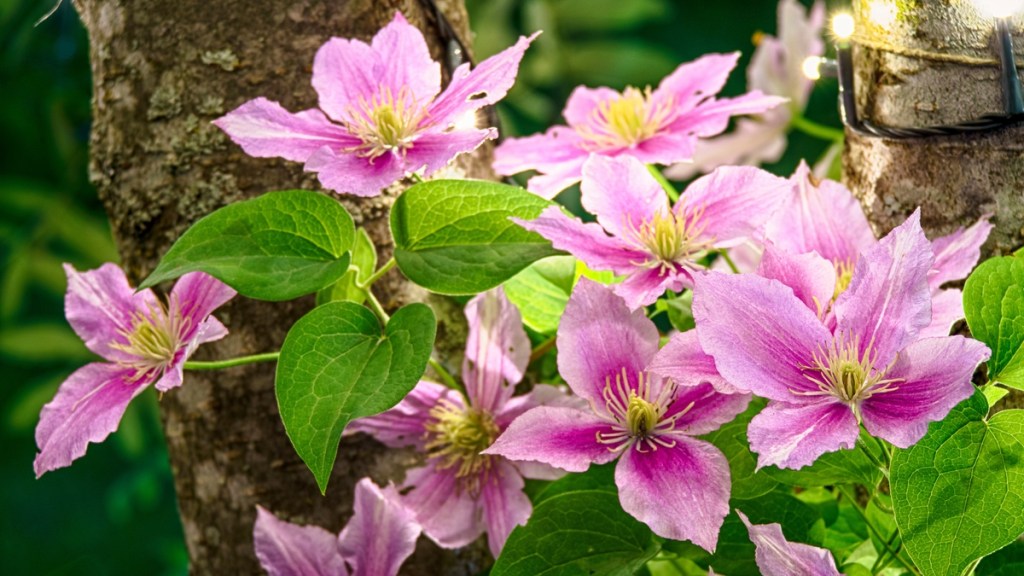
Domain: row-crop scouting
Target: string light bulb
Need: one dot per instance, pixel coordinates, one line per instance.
(811, 67)
(999, 8)
(843, 26)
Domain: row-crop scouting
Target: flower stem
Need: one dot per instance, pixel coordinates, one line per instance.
(231, 362)
(812, 128)
(875, 530)
(377, 275)
(376, 307)
(445, 375)
(728, 260)
(542, 349)
(673, 194)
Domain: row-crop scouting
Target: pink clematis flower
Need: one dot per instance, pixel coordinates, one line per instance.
(655, 246)
(659, 126)
(776, 556)
(381, 116)
(460, 493)
(645, 409)
(823, 216)
(376, 541)
(777, 69)
(144, 342)
(826, 369)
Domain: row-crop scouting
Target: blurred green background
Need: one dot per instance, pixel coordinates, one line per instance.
(113, 512)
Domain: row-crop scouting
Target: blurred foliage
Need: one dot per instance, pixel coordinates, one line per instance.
(113, 512)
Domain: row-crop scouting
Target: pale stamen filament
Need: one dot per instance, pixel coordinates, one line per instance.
(842, 371)
(153, 339)
(387, 122)
(636, 418)
(625, 121)
(671, 238)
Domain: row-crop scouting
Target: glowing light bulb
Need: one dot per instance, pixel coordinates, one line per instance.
(843, 26)
(812, 67)
(999, 8)
(883, 13)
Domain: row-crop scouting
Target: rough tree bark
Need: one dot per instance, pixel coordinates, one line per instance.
(935, 65)
(161, 72)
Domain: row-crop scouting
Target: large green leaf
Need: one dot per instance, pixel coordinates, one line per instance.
(840, 467)
(994, 307)
(275, 247)
(455, 236)
(336, 365)
(731, 439)
(577, 533)
(541, 292)
(959, 492)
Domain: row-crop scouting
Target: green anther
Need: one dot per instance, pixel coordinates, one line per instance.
(641, 416)
(390, 128)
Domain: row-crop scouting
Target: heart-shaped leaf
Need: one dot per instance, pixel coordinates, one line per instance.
(959, 492)
(994, 307)
(541, 292)
(577, 532)
(337, 365)
(455, 236)
(275, 247)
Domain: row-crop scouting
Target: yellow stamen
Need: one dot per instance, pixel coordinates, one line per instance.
(842, 371)
(844, 273)
(153, 339)
(671, 238)
(637, 418)
(625, 121)
(387, 122)
(456, 436)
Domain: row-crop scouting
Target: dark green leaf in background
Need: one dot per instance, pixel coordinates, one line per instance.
(279, 246)
(455, 236)
(364, 258)
(959, 492)
(337, 365)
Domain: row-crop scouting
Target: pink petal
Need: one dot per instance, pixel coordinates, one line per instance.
(100, 306)
(497, 350)
(404, 425)
(622, 194)
(584, 101)
(406, 60)
(449, 515)
(557, 152)
(347, 73)
(266, 130)
(381, 534)
(562, 437)
(538, 471)
(706, 409)
(539, 395)
(758, 332)
(286, 549)
(888, 301)
(735, 202)
(173, 375)
(956, 254)
(487, 83)
(87, 407)
(685, 362)
(433, 151)
(712, 118)
(681, 493)
(644, 285)
(586, 241)
(751, 143)
(697, 81)
(822, 217)
(348, 173)
(947, 309)
(812, 278)
(195, 296)
(795, 435)
(505, 505)
(664, 147)
(599, 338)
(776, 67)
(551, 184)
(776, 556)
(933, 375)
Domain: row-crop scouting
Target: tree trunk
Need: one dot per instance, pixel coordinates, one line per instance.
(161, 72)
(937, 64)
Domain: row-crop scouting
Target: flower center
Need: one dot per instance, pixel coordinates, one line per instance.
(637, 418)
(385, 123)
(844, 273)
(624, 121)
(456, 436)
(670, 237)
(152, 341)
(843, 372)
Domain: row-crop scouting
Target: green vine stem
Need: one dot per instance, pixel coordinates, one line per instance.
(377, 275)
(816, 130)
(232, 362)
(673, 194)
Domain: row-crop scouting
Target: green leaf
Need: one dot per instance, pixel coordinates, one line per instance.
(600, 478)
(731, 439)
(994, 307)
(541, 292)
(680, 311)
(959, 492)
(43, 343)
(1007, 562)
(608, 15)
(455, 236)
(275, 247)
(583, 532)
(364, 258)
(336, 365)
(840, 467)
